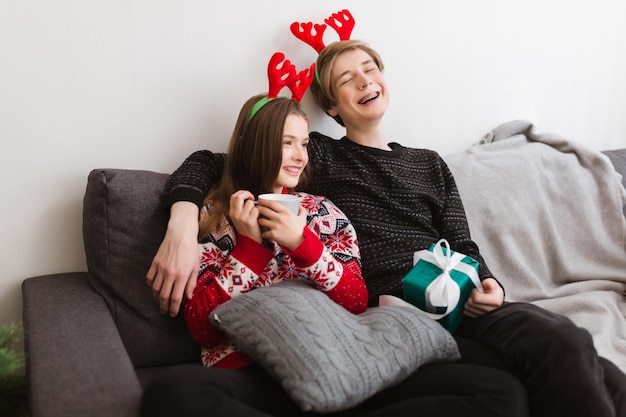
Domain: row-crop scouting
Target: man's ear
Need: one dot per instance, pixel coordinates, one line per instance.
(332, 112)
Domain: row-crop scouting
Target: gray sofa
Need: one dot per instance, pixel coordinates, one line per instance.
(95, 338)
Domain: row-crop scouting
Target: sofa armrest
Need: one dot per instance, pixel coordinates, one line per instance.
(76, 362)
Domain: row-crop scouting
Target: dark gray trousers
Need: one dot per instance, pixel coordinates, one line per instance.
(555, 359)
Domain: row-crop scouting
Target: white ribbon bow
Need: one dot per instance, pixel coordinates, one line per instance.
(443, 291)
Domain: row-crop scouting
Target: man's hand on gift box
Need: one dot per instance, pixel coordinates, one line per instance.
(480, 303)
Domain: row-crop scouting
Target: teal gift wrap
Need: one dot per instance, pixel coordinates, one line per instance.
(440, 282)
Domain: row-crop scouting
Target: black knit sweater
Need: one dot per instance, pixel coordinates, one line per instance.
(399, 201)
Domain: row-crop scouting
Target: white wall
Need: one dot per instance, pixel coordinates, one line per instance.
(143, 83)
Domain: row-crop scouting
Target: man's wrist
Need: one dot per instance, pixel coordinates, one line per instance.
(184, 216)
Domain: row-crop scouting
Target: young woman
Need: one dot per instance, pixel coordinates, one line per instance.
(268, 154)
(246, 244)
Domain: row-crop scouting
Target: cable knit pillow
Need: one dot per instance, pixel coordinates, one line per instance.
(326, 358)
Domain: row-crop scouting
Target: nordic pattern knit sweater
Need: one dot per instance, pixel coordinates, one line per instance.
(233, 264)
(399, 201)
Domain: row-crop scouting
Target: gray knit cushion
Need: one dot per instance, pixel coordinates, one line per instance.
(326, 358)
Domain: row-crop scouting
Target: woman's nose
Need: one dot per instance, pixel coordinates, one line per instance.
(298, 154)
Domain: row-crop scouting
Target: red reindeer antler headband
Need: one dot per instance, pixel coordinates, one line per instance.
(285, 75)
(342, 22)
(282, 73)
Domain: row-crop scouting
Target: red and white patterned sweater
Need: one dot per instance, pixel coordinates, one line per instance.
(231, 265)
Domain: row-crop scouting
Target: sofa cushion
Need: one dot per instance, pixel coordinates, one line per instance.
(123, 225)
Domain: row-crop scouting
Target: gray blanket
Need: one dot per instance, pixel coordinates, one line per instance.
(547, 215)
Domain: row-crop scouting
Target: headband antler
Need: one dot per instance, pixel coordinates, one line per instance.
(282, 73)
(285, 75)
(342, 22)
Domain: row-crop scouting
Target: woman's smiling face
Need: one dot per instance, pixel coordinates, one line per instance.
(295, 153)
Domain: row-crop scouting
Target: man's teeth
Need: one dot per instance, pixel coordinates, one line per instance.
(368, 98)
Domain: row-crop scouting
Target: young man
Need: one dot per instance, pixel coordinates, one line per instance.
(401, 200)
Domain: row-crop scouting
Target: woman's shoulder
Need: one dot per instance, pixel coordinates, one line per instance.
(314, 202)
(309, 199)
(319, 205)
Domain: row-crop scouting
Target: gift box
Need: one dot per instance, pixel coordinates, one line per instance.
(440, 283)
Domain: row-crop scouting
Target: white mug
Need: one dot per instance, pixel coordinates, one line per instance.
(292, 202)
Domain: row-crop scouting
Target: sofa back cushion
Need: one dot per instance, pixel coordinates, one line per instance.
(123, 225)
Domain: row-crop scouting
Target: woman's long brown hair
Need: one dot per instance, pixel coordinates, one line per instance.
(253, 158)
